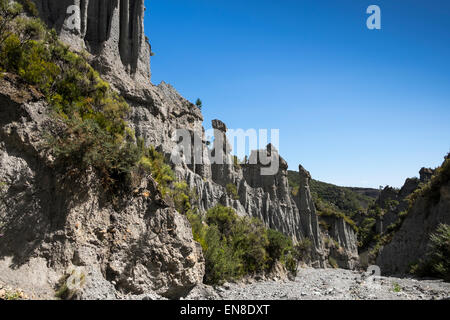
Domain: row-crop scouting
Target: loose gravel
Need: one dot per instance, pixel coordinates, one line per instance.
(329, 284)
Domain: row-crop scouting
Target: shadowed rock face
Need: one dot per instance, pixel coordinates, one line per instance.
(52, 222)
(112, 29)
(426, 174)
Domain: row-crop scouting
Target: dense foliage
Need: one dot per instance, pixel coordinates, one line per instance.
(236, 246)
(232, 191)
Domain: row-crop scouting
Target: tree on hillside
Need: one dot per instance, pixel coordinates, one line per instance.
(199, 103)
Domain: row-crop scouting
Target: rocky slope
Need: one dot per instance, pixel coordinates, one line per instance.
(429, 209)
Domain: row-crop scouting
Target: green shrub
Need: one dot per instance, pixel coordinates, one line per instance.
(280, 248)
(199, 103)
(249, 240)
(232, 191)
(223, 217)
(366, 231)
(323, 225)
(235, 246)
(396, 287)
(437, 261)
(183, 197)
(440, 251)
(333, 262)
(94, 115)
(278, 243)
(328, 210)
(305, 245)
(236, 163)
(153, 161)
(198, 229)
(12, 295)
(222, 261)
(9, 11)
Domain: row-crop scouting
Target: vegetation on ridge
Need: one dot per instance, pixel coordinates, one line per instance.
(96, 133)
(430, 191)
(437, 261)
(429, 194)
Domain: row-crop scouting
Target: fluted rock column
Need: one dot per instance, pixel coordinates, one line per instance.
(124, 44)
(109, 29)
(308, 217)
(221, 159)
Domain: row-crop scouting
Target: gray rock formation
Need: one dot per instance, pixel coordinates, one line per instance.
(308, 216)
(338, 242)
(344, 249)
(426, 174)
(51, 222)
(395, 201)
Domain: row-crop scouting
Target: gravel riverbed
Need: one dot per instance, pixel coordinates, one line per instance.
(329, 284)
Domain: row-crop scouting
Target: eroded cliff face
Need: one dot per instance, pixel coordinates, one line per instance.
(55, 224)
(409, 245)
(395, 201)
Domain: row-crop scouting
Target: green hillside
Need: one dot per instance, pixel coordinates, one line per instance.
(346, 200)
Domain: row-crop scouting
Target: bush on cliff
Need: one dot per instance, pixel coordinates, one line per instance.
(96, 133)
(440, 252)
(431, 191)
(183, 197)
(437, 261)
(235, 246)
(30, 7)
(232, 191)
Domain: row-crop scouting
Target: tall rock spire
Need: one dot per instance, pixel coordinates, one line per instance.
(308, 217)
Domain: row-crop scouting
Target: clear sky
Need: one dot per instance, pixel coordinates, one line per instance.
(356, 107)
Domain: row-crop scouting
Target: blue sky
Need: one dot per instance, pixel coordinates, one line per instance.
(356, 107)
